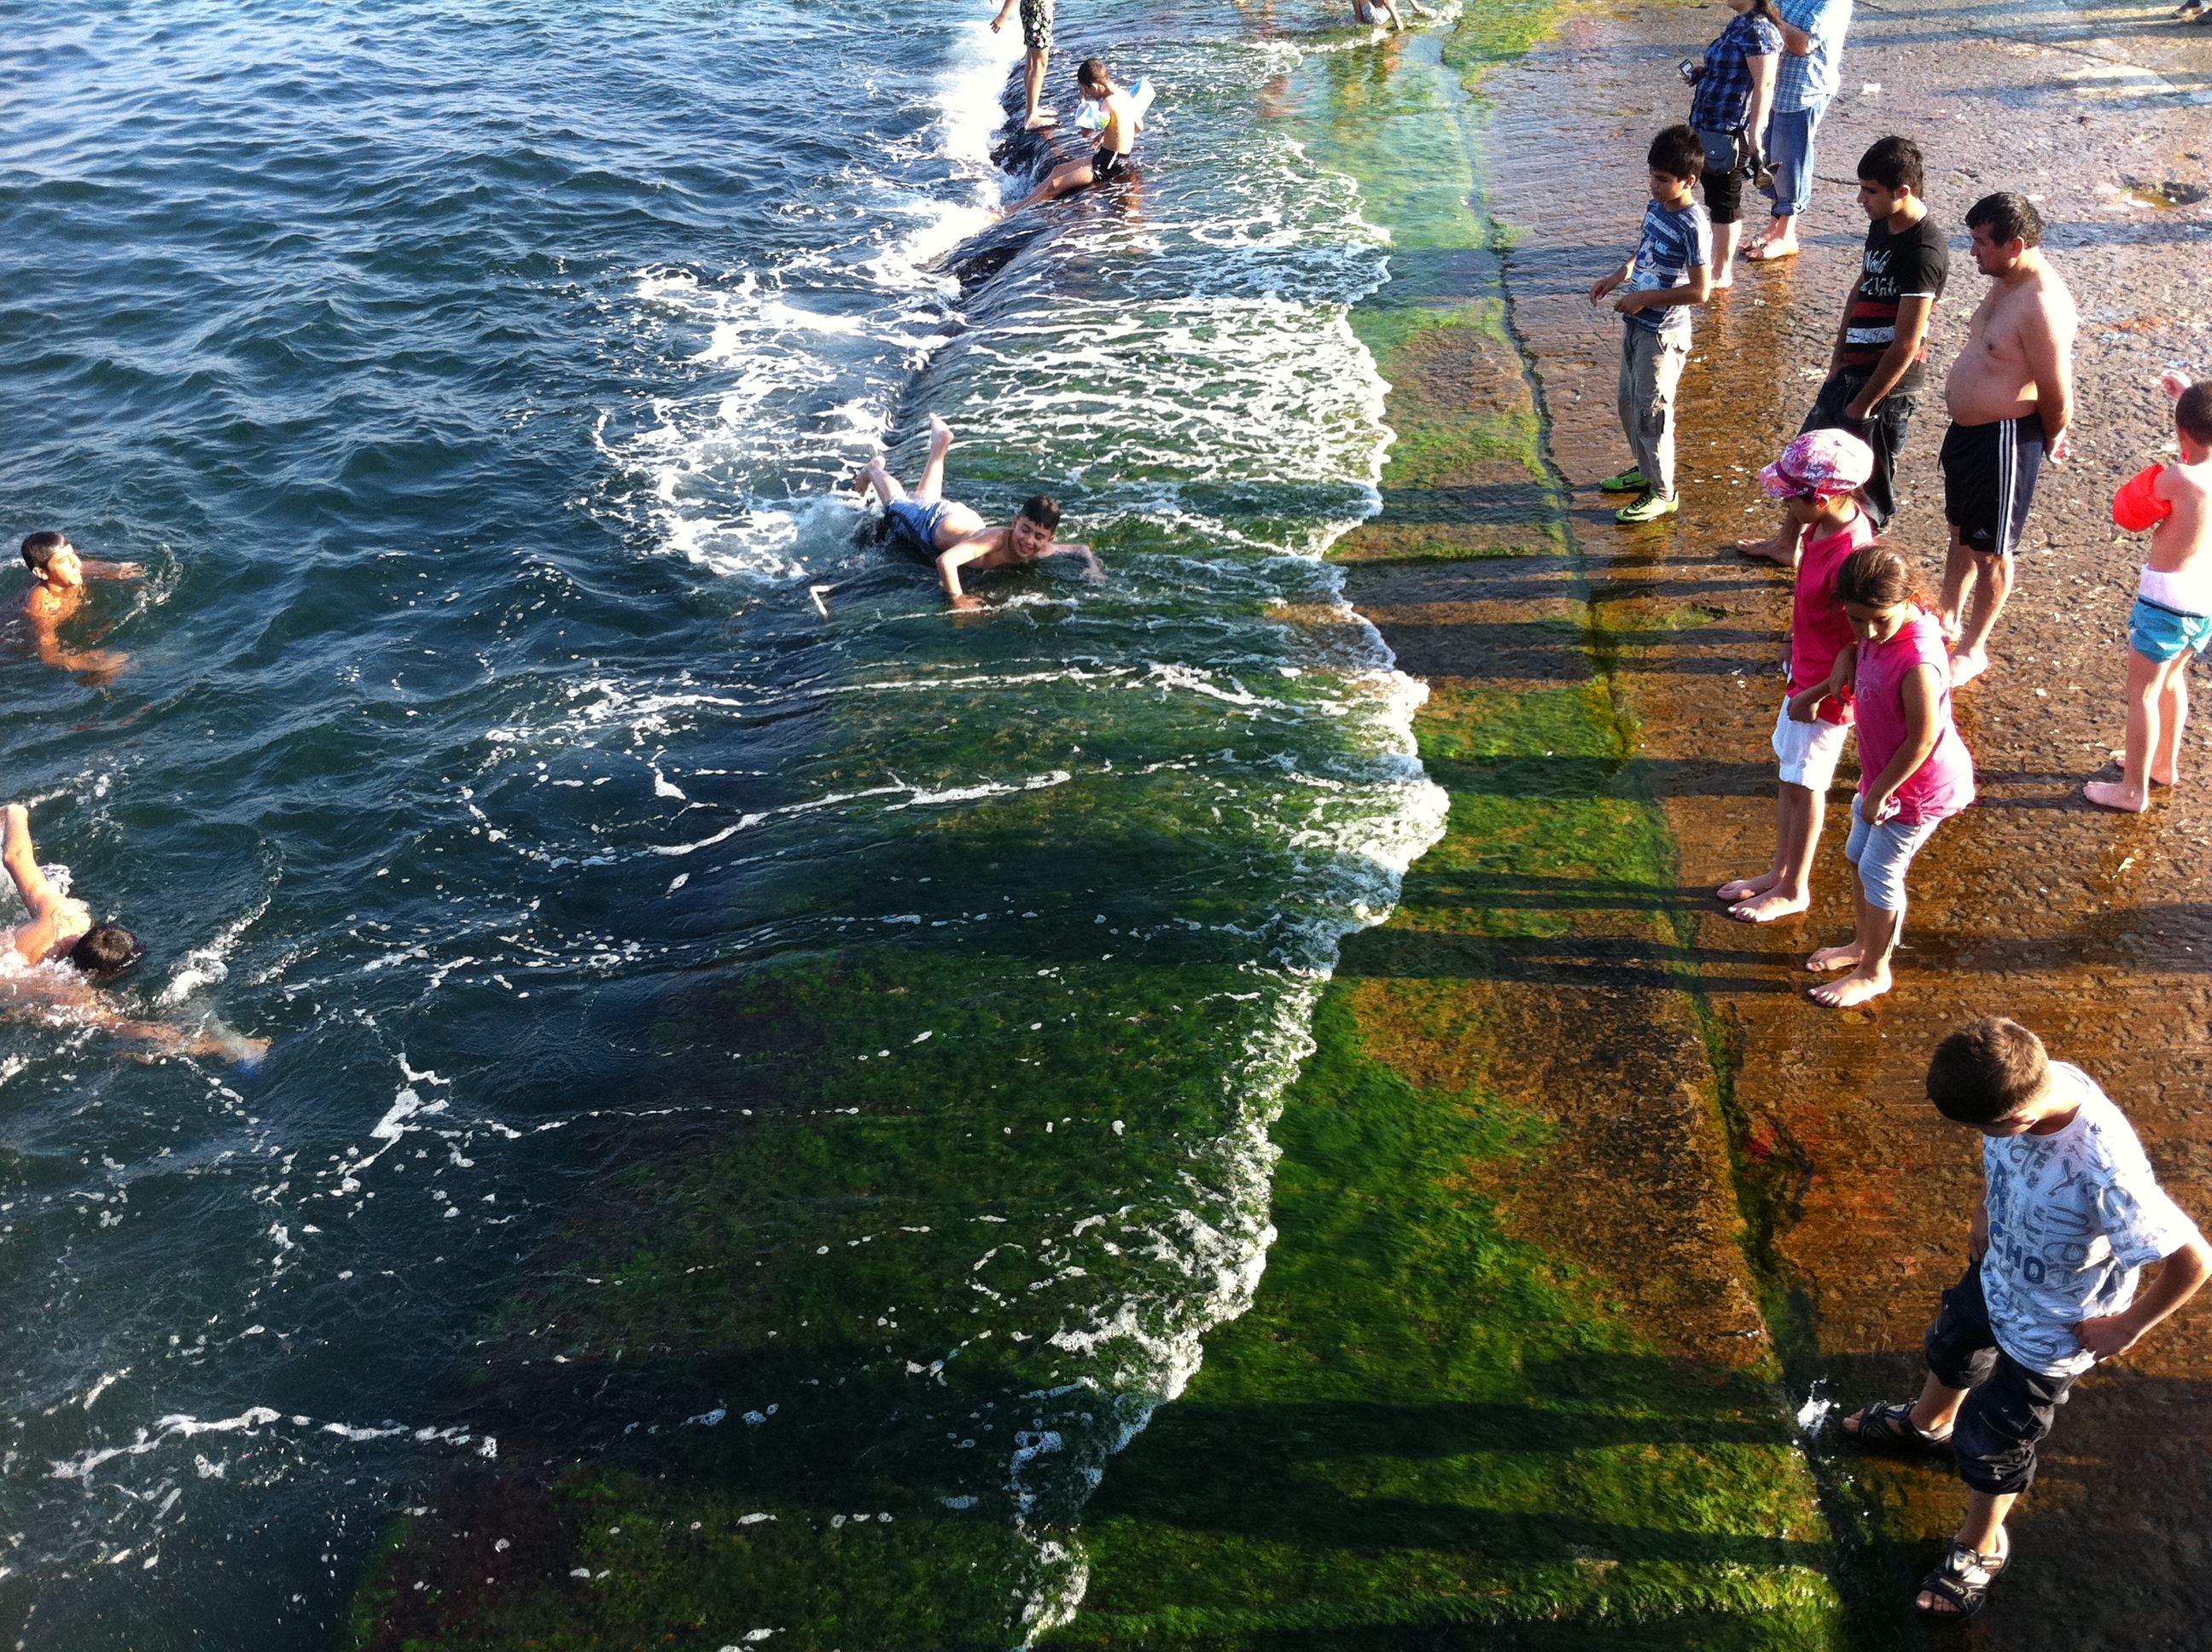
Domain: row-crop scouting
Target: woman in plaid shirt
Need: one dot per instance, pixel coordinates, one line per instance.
(1736, 92)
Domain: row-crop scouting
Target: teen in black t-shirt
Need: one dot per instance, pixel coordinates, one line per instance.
(1880, 354)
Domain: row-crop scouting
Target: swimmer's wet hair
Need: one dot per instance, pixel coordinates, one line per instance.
(2008, 218)
(38, 549)
(106, 949)
(1092, 71)
(1987, 1072)
(1679, 152)
(1894, 163)
(1044, 510)
(2192, 413)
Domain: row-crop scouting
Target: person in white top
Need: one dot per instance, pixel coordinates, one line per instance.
(2071, 1216)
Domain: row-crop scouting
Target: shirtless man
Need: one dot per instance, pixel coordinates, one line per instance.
(60, 931)
(1110, 150)
(2011, 398)
(59, 573)
(946, 535)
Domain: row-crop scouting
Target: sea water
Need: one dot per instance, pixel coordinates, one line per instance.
(749, 1049)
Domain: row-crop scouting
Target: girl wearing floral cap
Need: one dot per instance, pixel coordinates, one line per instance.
(1915, 771)
(1818, 479)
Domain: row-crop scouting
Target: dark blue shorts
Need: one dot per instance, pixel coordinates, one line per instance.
(914, 528)
(2012, 1406)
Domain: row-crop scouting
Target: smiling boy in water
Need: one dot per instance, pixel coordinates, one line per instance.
(2172, 620)
(927, 527)
(58, 574)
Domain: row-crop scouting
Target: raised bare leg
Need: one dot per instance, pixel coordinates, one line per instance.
(876, 477)
(931, 488)
(1992, 585)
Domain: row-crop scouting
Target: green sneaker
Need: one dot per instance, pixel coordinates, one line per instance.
(1630, 481)
(1648, 508)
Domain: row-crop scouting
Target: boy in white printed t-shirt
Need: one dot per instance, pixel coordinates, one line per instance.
(1670, 270)
(2071, 1215)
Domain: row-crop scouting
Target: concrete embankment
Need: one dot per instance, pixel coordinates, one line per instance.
(1579, 1170)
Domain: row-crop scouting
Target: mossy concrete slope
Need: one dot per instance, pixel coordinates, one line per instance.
(1506, 1382)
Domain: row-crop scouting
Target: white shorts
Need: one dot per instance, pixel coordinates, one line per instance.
(1809, 752)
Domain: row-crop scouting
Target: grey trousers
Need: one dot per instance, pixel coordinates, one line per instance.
(1650, 368)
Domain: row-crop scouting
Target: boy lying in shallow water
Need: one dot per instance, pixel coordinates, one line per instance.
(927, 527)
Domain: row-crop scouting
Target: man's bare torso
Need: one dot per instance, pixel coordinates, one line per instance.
(1991, 378)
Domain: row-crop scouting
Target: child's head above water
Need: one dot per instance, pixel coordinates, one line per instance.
(1038, 521)
(106, 949)
(1987, 1073)
(51, 558)
(1677, 159)
(1092, 78)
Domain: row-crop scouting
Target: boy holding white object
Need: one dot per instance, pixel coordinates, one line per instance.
(2172, 620)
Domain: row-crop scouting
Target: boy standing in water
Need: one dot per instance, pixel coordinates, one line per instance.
(2173, 616)
(2070, 1214)
(927, 527)
(1818, 479)
(1109, 149)
(59, 573)
(1037, 39)
(1670, 271)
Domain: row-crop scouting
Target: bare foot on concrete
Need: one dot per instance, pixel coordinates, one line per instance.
(940, 434)
(1766, 249)
(1743, 889)
(2112, 794)
(1965, 668)
(1778, 550)
(1846, 956)
(1040, 120)
(1769, 907)
(1855, 988)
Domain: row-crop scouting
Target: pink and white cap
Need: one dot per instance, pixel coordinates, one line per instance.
(1823, 463)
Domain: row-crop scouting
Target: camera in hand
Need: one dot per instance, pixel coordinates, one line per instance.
(1691, 70)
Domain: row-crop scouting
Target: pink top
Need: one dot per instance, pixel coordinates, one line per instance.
(1944, 783)
(1818, 628)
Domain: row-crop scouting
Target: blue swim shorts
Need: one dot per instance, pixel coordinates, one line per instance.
(914, 528)
(2163, 634)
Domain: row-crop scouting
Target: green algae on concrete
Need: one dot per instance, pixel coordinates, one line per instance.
(1436, 1426)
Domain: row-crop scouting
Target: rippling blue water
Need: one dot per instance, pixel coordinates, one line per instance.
(473, 379)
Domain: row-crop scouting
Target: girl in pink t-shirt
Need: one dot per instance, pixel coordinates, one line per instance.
(1915, 770)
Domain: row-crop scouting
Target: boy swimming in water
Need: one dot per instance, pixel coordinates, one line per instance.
(1109, 149)
(2172, 617)
(59, 573)
(927, 527)
(60, 930)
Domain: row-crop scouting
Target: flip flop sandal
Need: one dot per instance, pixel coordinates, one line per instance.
(1890, 1428)
(1964, 1579)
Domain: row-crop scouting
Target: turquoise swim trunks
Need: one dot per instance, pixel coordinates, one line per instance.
(2163, 634)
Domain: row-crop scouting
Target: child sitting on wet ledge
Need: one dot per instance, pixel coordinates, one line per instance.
(2172, 620)
(1915, 771)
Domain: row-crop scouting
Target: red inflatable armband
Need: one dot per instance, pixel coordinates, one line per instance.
(2135, 507)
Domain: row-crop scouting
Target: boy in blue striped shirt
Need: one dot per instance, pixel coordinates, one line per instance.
(1670, 270)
